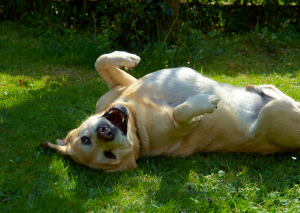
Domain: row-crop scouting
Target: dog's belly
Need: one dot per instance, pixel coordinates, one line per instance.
(174, 86)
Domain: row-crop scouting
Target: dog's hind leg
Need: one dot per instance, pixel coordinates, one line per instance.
(187, 114)
(279, 122)
(269, 91)
(108, 67)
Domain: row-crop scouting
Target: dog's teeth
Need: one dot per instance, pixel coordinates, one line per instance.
(123, 119)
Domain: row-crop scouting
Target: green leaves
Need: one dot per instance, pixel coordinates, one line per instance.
(211, 34)
(261, 191)
(219, 50)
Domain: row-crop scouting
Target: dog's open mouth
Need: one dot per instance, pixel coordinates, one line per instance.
(118, 116)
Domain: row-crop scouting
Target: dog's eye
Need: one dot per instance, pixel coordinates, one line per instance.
(109, 155)
(85, 140)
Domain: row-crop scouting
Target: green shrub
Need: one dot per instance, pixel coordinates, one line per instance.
(134, 24)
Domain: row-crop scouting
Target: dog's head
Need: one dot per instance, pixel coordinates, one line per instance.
(105, 141)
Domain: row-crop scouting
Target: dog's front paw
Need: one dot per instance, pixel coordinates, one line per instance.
(202, 104)
(213, 100)
(125, 60)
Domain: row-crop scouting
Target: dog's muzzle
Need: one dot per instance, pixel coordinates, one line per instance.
(118, 117)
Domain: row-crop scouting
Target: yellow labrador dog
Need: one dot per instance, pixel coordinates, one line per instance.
(178, 112)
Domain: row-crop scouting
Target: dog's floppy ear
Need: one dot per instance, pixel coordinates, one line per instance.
(61, 142)
(60, 147)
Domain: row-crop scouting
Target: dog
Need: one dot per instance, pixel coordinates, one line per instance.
(178, 112)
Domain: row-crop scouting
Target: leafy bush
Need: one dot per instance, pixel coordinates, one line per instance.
(134, 24)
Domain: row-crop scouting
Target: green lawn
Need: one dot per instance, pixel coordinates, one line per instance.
(60, 90)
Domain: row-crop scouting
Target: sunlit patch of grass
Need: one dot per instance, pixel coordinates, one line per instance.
(59, 92)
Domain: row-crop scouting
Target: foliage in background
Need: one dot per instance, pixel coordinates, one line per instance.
(240, 18)
(131, 25)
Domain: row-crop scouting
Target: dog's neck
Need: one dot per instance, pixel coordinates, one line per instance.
(140, 136)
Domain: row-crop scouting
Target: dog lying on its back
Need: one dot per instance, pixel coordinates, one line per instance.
(178, 112)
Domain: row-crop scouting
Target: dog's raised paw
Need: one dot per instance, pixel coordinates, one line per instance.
(213, 100)
(125, 60)
(202, 104)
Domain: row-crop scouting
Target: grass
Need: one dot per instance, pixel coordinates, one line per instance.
(60, 90)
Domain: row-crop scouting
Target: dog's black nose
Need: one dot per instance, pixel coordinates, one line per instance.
(105, 133)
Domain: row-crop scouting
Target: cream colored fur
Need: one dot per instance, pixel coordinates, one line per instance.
(179, 112)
